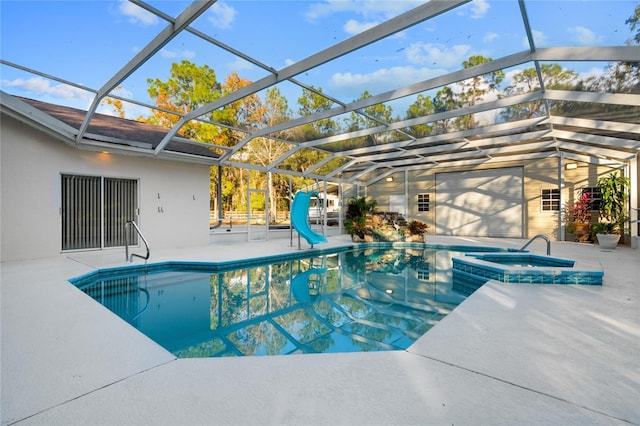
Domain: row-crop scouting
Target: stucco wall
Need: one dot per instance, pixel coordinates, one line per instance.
(32, 164)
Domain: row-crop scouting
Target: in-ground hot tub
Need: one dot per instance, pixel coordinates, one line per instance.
(475, 269)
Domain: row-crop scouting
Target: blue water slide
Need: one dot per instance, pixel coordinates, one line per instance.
(299, 215)
(300, 287)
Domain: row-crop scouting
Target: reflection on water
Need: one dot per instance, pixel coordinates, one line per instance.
(362, 300)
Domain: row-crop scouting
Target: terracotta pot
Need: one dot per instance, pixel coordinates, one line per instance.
(581, 231)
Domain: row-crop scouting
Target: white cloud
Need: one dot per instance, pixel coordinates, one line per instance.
(479, 8)
(366, 8)
(122, 92)
(584, 36)
(168, 54)
(172, 54)
(136, 14)
(354, 27)
(239, 64)
(221, 15)
(430, 54)
(131, 110)
(508, 76)
(539, 38)
(489, 37)
(41, 86)
(352, 85)
(594, 72)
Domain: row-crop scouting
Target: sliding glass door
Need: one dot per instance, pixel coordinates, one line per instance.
(95, 210)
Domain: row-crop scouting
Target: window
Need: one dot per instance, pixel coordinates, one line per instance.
(550, 199)
(95, 209)
(594, 196)
(423, 273)
(423, 202)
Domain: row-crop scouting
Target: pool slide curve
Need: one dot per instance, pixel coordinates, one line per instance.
(300, 284)
(299, 214)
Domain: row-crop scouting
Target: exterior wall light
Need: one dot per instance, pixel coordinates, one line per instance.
(571, 166)
(389, 178)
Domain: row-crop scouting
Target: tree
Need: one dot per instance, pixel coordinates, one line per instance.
(309, 103)
(118, 108)
(373, 116)
(527, 81)
(618, 77)
(265, 150)
(422, 106)
(189, 87)
(634, 24)
(476, 88)
(622, 77)
(445, 100)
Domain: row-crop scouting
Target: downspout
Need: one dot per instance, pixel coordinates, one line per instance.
(219, 197)
(561, 186)
(634, 201)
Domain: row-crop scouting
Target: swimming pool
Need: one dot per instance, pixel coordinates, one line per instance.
(376, 298)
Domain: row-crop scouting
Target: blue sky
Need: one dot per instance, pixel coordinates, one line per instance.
(88, 41)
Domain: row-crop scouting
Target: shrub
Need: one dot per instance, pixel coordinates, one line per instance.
(580, 210)
(417, 228)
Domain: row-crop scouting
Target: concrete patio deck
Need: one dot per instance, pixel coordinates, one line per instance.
(509, 354)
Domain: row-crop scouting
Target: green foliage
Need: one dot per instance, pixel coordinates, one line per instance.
(356, 227)
(603, 228)
(358, 207)
(474, 89)
(445, 100)
(189, 87)
(614, 193)
(527, 81)
(312, 102)
(421, 107)
(417, 227)
(634, 24)
(356, 215)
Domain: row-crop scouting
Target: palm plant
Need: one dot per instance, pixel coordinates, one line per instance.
(614, 192)
(356, 215)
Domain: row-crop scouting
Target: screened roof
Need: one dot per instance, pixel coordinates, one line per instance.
(387, 86)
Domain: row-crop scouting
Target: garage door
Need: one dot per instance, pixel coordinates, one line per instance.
(482, 203)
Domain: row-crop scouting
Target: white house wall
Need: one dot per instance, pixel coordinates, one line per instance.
(173, 196)
(539, 174)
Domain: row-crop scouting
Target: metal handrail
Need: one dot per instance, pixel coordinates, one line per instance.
(127, 258)
(535, 237)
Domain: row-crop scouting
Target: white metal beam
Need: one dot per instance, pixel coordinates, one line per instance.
(595, 151)
(421, 13)
(481, 144)
(608, 141)
(615, 126)
(190, 14)
(591, 159)
(593, 97)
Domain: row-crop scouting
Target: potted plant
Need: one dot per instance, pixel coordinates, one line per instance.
(614, 193)
(578, 216)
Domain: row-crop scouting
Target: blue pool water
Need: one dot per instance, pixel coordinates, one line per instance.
(372, 299)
